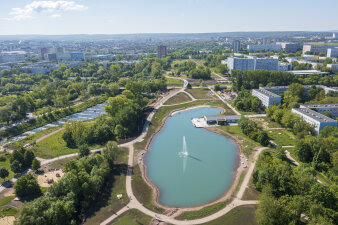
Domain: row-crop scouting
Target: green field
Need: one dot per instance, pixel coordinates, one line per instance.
(199, 93)
(240, 215)
(190, 215)
(282, 137)
(178, 98)
(55, 146)
(6, 164)
(250, 194)
(174, 82)
(132, 217)
(221, 104)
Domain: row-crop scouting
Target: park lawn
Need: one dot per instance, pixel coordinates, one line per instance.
(173, 82)
(31, 138)
(6, 200)
(8, 212)
(7, 165)
(240, 215)
(232, 103)
(132, 217)
(250, 193)
(246, 143)
(190, 215)
(178, 98)
(159, 116)
(143, 191)
(282, 137)
(108, 203)
(199, 93)
(61, 163)
(55, 146)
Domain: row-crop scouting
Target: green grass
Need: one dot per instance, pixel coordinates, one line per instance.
(44, 189)
(6, 200)
(61, 163)
(159, 116)
(178, 98)
(31, 138)
(174, 82)
(237, 216)
(142, 191)
(55, 146)
(7, 212)
(132, 217)
(282, 137)
(190, 215)
(219, 103)
(199, 93)
(250, 194)
(240, 180)
(108, 203)
(242, 112)
(246, 143)
(6, 164)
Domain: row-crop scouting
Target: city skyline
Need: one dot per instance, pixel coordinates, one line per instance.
(150, 16)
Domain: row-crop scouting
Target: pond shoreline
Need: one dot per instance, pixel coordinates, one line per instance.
(225, 196)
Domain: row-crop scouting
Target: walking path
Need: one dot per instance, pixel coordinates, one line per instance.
(230, 106)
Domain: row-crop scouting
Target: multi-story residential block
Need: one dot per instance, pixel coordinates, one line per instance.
(321, 108)
(312, 117)
(282, 66)
(334, 67)
(267, 47)
(315, 48)
(161, 51)
(290, 47)
(236, 45)
(252, 64)
(13, 56)
(77, 56)
(332, 52)
(268, 98)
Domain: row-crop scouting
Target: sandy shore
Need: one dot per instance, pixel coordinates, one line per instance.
(156, 192)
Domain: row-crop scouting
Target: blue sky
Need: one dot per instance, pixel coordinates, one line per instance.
(164, 16)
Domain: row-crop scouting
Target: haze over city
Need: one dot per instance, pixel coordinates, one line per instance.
(161, 16)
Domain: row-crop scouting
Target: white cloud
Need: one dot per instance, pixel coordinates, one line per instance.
(30, 9)
(55, 16)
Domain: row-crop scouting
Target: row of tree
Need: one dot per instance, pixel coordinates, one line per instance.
(251, 129)
(246, 102)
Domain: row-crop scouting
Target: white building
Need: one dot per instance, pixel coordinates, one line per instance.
(312, 117)
(267, 48)
(236, 45)
(13, 56)
(252, 64)
(282, 66)
(334, 67)
(268, 98)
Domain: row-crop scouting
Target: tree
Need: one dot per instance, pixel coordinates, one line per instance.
(303, 151)
(4, 172)
(28, 158)
(83, 150)
(120, 131)
(27, 186)
(36, 164)
(16, 166)
(110, 152)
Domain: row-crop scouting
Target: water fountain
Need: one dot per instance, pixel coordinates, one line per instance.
(184, 154)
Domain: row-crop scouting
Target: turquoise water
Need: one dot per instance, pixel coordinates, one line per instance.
(209, 167)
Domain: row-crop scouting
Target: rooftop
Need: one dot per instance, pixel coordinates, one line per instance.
(305, 72)
(314, 115)
(334, 105)
(222, 118)
(267, 93)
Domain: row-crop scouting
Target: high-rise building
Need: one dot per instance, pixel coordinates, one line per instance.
(161, 51)
(332, 52)
(333, 35)
(236, 45)
(44, 51)
(13, 56)
(316, 48)
(252, 64)
(257, 48)
(290, 47)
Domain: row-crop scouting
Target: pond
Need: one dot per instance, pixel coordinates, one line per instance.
(88, 114)
(202, 174)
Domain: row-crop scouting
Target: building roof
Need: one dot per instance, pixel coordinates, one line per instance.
(334, 105)
(314, 115)
(306, 72)
(267, 93)
(222, 118)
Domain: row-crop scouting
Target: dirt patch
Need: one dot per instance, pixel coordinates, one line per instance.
(48, 178)
(8, 220)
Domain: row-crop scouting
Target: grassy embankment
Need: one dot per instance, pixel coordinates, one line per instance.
(49, 118)
(178, 99)
(132, 217)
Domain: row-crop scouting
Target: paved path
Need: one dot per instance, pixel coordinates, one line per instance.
(255, 115)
